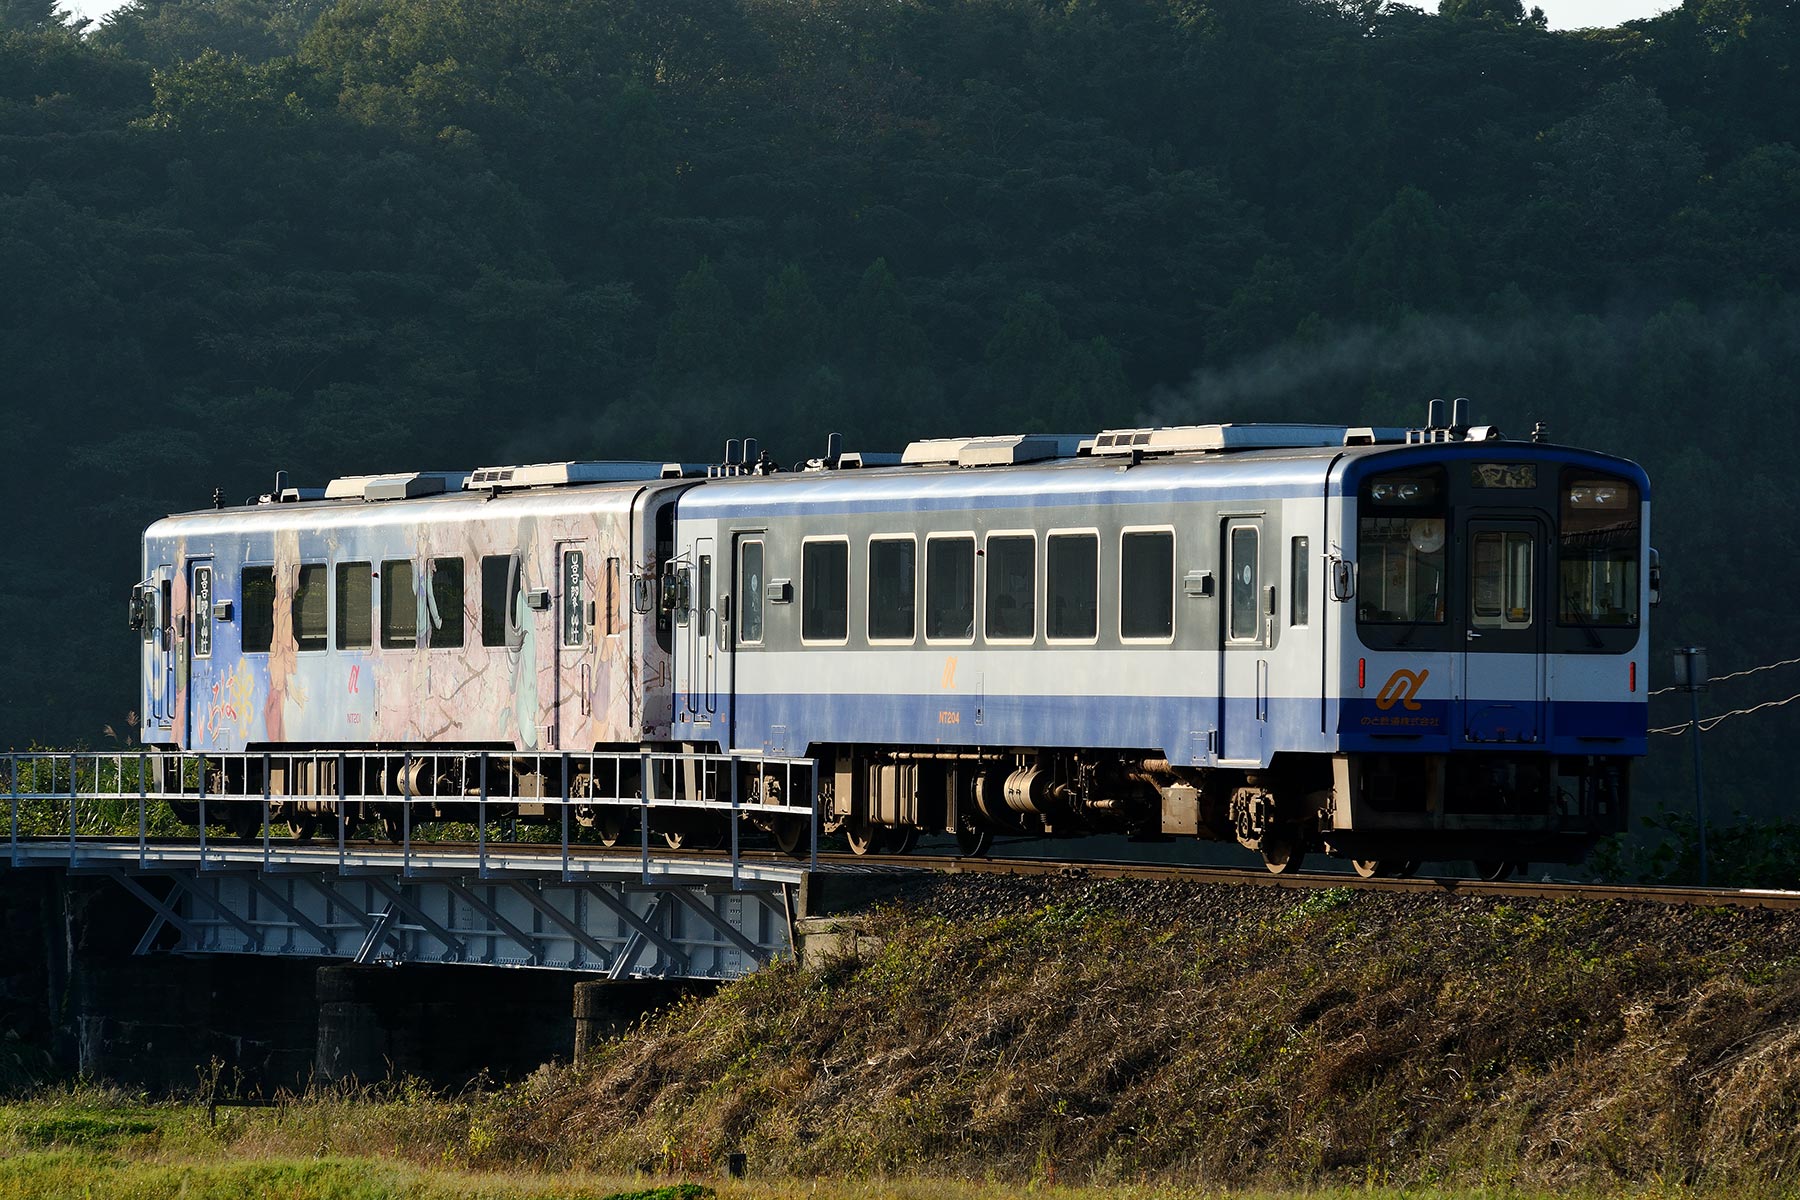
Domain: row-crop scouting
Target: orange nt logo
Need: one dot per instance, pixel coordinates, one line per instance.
(1400, 689)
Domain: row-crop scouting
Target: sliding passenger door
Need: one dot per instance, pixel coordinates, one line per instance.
(1243, 645)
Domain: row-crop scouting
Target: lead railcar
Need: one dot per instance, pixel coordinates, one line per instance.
(1390, 645)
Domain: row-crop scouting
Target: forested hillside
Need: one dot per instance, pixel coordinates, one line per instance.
(238, 235)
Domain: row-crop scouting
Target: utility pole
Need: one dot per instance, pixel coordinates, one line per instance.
(1690, 677)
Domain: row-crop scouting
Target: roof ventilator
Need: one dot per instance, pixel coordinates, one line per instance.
(1457, 429)
(998, 450)
(1220, 439)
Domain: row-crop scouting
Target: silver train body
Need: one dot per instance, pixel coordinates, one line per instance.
(1388, 644)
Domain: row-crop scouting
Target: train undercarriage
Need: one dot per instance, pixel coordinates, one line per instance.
(1383, 813)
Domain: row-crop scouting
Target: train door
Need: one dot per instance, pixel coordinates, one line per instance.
(743, 621)
(194, 627)
(699, 675)
(1243, 645)
(1503, 675)
(159, 647)
(575, 610)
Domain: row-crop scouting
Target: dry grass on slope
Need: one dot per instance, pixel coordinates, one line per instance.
(1105, 1031)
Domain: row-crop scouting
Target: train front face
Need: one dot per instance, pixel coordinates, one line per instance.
(1494, 676)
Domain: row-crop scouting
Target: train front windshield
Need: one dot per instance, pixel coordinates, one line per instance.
(1499, 556)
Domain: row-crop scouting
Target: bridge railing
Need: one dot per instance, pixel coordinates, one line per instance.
(418, 800)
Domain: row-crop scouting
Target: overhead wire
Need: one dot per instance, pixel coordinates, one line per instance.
(1708, 724)
(1786, 662)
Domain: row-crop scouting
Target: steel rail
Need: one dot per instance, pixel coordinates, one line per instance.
(1442, 886)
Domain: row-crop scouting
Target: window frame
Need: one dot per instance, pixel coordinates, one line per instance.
(300, 568)
(949, 535)
(244, 604)
(1259, 634)
(512, 586)
(462, 608)
(762, 592)
(1087, 531)
(1037, 586)
(918, 575)
(338, 580)
(842, 539)
(1174, 585)
(381, 614)
(1300, 603)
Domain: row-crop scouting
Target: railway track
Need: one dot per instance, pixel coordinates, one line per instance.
(1768, 898)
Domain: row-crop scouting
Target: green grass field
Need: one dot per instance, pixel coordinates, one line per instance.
(96, 1143)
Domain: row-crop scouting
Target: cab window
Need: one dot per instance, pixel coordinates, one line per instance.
(1598, 552)
(1400, 549)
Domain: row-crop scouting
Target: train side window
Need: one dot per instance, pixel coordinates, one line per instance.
(1147, 585)
(574, 598)
(445, 603)
(399, 606)
(893, 589)
(310, 629)
(825, 591)
(1011, 587)
(499, 596)
(355, 606)
(950, 588)
(256, 592)
(1246, 611)
(1300, 600)
(1072, 587)
(750, 593)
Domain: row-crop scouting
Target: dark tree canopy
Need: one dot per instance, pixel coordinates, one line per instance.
(242, 235)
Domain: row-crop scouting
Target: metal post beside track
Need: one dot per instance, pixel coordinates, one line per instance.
(481, 821)
(645, 788)
(406, 816)
(13, 766)
(203, 811)
(343, 806)
(565, 818)
(143, 815)
(265, 806)
(737, 880)
(72, 809)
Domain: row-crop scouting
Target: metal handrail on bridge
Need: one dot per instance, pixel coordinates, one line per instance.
(101, 787)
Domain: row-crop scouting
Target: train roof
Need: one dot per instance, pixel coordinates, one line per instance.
(1147, 464)
(342, 511)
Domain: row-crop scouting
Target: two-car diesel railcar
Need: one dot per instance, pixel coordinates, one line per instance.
(1391, 645)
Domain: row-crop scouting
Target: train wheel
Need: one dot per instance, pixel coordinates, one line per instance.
(1370, 868)
(393, 826)
(609, 826)
(864, 838)
(1282, 853)
(303, 828)
(903, 840)
(699, 833)
(972, 840)
(1494, 870)
(789, 833)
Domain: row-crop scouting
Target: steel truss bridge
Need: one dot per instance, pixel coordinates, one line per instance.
(627, 911)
